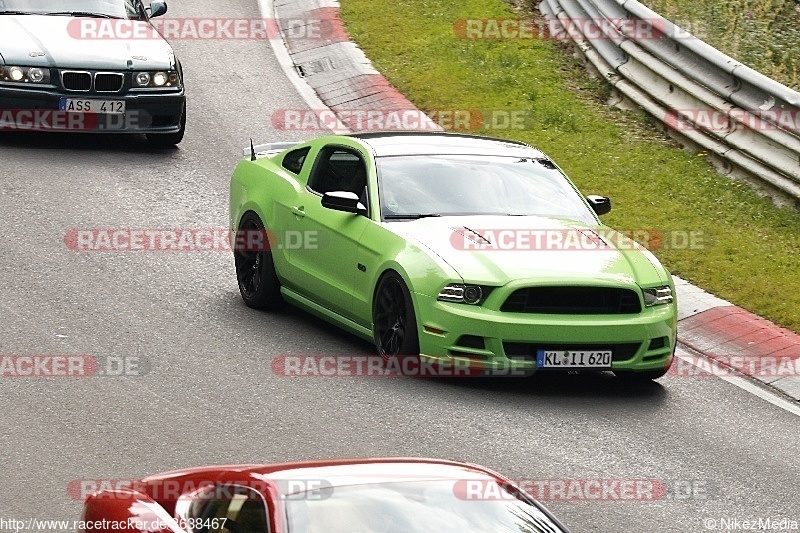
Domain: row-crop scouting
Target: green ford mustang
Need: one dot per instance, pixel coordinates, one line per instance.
(463, 249)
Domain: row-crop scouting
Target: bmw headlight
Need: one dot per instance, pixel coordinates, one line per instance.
(658, 296)
(36, 75)
(156, 79)
(142, 79)
(160, 79)
(460, 293)
(16, 74)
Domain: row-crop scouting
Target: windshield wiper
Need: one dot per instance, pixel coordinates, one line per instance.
(82, 14)
(12, 12)
(411, 216)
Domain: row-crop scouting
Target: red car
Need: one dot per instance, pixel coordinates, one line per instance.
(333, 496)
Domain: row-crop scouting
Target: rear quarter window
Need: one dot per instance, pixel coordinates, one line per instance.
(293, 161)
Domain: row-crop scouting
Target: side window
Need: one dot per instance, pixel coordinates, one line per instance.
(135, 10)
(293, 161)
(226, 509)
(338, 169)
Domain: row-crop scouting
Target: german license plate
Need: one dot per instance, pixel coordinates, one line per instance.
(84, 105)
(573, 359)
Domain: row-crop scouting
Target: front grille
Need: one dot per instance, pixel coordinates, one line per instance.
(77, 81)
(108, 82)
(526, 351)
(573, 301)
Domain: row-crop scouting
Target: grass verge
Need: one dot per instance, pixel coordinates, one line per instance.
(750, 253)
(762, 34)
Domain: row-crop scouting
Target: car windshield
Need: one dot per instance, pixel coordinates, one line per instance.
(476, 185)
(130, 9)
(411, 507)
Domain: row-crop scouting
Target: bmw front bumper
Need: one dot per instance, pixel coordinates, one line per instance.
(24, 109)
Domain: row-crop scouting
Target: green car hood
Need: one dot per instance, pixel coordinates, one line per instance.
(494, 250)
(26, 37)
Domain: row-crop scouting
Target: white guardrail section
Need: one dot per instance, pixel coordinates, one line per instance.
(690, 87)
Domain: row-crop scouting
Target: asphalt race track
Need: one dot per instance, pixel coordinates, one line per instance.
(208, 393)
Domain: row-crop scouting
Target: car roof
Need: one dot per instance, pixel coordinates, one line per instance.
(390, 465)
(340, 475)
(394, 143)
(344, 472)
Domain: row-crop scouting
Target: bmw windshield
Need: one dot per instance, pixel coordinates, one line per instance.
(126, 9)
(414, 186)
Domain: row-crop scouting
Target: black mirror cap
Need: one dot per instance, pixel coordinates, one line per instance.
(157, 8)
(600, 204)
(343, 201)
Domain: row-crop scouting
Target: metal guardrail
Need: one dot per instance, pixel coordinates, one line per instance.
(748, 123)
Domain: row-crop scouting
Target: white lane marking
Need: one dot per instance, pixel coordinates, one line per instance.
(744, 384)
(314, 102)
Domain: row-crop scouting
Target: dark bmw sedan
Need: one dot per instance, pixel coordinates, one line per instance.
(89, 66)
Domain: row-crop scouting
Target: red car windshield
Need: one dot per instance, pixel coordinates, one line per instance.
(414, 506)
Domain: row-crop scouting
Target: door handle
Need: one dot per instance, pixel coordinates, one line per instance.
(298, 211)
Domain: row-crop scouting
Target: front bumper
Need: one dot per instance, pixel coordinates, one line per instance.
(503, 342)
(24, 109)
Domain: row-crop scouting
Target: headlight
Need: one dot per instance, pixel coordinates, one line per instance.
(142, 79)
(156, 79)
(15, 74)
(459, 293)
(36, 75)
(657, 296)
(159, 79)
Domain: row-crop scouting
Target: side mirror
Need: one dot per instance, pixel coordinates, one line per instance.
(600, 204)
(157, 8)
(343, 201)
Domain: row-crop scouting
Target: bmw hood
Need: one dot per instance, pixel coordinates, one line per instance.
(499, 249)
(82, 43)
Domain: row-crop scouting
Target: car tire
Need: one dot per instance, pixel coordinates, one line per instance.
(163, 140)
(255, 269)
(633, 376)
(393, 318)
